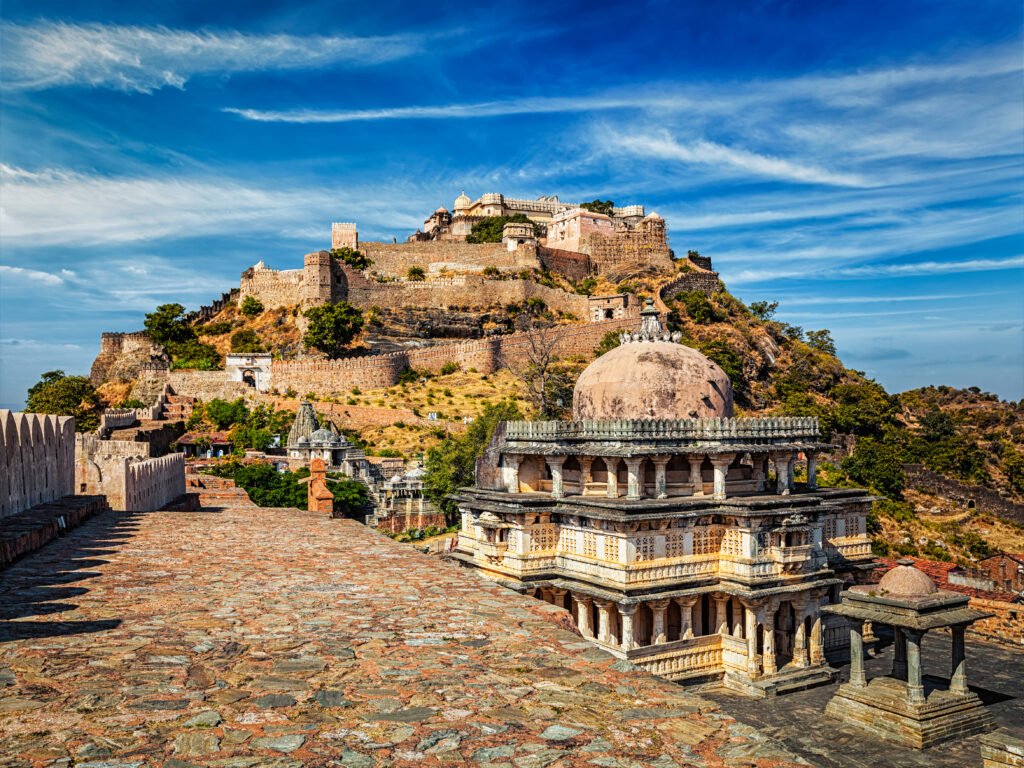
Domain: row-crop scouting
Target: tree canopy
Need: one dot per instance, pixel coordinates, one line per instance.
(489, 229)
(167, 326)
(331, 328)
(355, 259)
(61, 395)
(599, 206)
(452, 464)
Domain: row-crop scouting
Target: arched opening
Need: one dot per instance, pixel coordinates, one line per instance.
(599, 471)
(572, 476)
(677, 476)
(249, 378)
(707, 475)
(673, 621)
(647, 474)
(533, 472)
(706, 615)
(785, 632)
(644, 625)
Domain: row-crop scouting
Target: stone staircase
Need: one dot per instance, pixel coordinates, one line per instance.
(177, 408)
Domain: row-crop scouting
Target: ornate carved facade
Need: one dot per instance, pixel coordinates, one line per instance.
(681, 544)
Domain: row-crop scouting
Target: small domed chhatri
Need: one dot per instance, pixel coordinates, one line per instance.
(650, 375)
(906, 581)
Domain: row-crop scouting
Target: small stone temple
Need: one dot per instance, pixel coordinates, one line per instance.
(307, 440)
(673, 532)
(906, 707)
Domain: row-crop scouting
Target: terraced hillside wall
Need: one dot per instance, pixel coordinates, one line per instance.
(485, 355)
(395, 259)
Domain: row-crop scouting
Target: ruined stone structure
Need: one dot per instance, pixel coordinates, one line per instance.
(898, 707)
(654, 519)
(321, 280)
(399, 504)
(319, 497)
(977, 497)
(123, 356)
(124, 472)
(38, 460)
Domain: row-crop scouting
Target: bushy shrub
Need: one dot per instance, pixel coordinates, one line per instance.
(251, 306)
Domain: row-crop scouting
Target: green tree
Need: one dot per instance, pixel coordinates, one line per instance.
(415, 273)
(223, 414)
(355, 259)
(350, 497)
(822, 341)
(863, 408)
(699, 307)
(608, 342)
(331, 328)
(251, 306)
(729, 360)
(1013, 466)
(764, 310)
(599, 206)
(196, 356)
(452, 464)
(247, 437)
(246, 340)
(61, 395)
(489, 229)
(167, 325)
(265, 485)
(877, 464)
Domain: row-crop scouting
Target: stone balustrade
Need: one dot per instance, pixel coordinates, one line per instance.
(682, 658)
(117, 418)
(796, 428)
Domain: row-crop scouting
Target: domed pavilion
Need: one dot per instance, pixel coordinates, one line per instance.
(905, 707)
(673, 532)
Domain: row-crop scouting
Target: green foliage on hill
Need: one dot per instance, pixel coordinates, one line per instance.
(60, 395)
(250, 430)
(452, 464)
(599, 206)
(265, 485)
(246, 340)
(489, 229)
(251, 306)
(355, 259)
(168, 326)
(331, 328)
(415, 273)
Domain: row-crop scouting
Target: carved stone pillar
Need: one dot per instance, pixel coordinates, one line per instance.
(658, 631)
(721, 614)
(753, 668)
(660, 482)
(857, 678)
(768, 641)
(686, 616)
(915, 687)
(721, 469)
(586, 475)
(558, 596)
(513, 461)
(817, 641)
(696, 481)
(782, 474)
(801, 657)
(634, 487)
(604, 620)
(555, 464)
(899, 658)
(759, 473)
(812, 470)
(613, 477)
(626, 613)
(584, 615)
(958, 676)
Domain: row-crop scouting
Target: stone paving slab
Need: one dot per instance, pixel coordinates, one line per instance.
(261, 637)
(994, 672)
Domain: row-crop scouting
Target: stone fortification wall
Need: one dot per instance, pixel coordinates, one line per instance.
(1006, 625)
(922, 479)
(465, 291)
(100, 466)
(123, 355)
(273, 287)
(37, 460)
(394, 259)
(151, 484)
(207, 385)
(705, 282)
(208, 311)
(486, 355)
(573, 265)
(633, 250)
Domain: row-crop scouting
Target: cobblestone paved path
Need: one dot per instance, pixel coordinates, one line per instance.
(258, 637)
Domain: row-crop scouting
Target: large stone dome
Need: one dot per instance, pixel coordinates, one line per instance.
(651, 376)
(906, 581)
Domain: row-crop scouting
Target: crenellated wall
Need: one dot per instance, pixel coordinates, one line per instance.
(123, 355)
(153, 483)
(485, 355)
(38, 459)
(395, 259)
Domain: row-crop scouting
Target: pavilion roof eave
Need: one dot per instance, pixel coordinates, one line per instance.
(879, 614)
(622, 449)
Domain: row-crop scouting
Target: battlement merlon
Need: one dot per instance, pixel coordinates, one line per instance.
(344, 234)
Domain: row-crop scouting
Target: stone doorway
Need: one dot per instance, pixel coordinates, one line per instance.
(785, 633)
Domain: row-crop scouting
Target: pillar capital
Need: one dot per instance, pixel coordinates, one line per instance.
(627, 610)
(659, 605)
(555, 461)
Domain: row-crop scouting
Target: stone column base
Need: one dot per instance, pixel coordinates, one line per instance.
(881, 707)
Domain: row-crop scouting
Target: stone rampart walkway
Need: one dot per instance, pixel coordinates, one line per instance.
(256, 637)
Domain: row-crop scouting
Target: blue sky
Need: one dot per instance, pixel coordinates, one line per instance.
(858, 162)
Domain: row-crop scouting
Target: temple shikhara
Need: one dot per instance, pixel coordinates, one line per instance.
(674, 533)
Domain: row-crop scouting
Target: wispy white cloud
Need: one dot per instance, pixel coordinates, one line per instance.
(144, 59)
(867, 271)
(21, 275)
